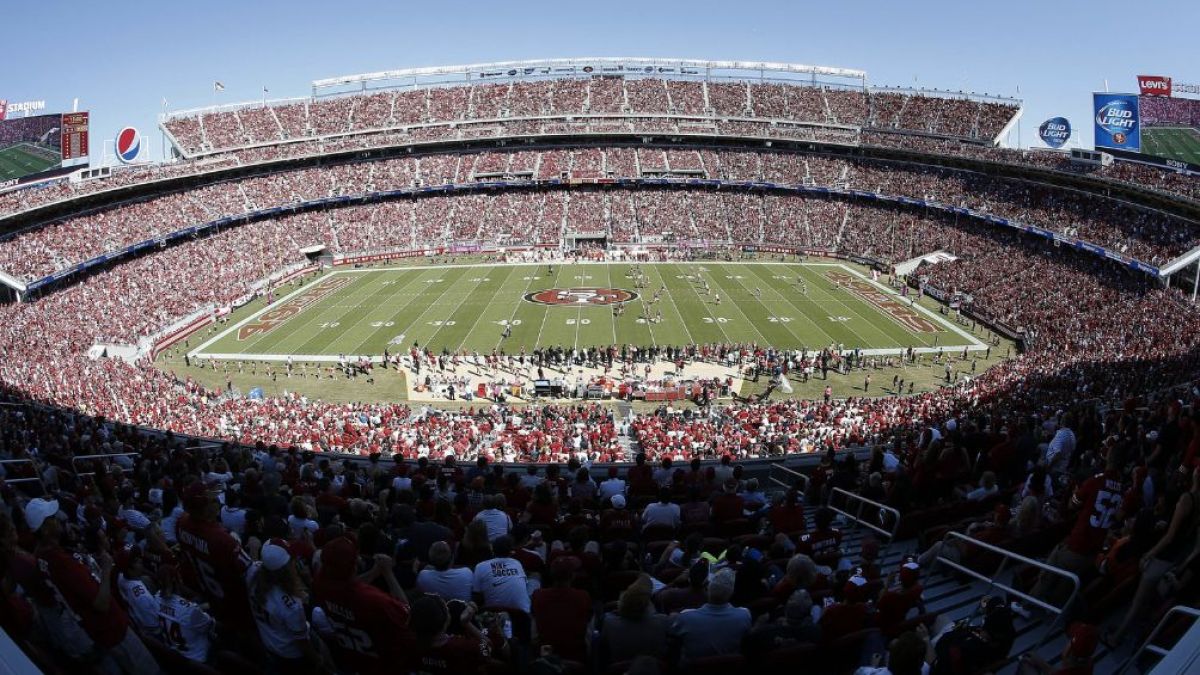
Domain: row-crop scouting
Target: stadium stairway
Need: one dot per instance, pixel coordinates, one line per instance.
(956, 597)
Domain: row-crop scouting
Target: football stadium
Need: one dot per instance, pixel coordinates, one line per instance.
(602, 365)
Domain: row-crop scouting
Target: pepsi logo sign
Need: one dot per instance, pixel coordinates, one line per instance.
(129, 145)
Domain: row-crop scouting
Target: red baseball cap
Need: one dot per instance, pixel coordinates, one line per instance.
(1084, 638)
(339, 559)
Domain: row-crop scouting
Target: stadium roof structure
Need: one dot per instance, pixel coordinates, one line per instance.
(584, 66)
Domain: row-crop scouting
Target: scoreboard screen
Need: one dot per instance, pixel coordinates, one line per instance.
(74, 136)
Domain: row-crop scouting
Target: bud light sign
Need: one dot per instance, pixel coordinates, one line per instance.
(1055, 132)
(1118, 121)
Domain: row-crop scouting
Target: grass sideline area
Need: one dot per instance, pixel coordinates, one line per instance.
(23, 159)
(690, 310)
(1174, 143)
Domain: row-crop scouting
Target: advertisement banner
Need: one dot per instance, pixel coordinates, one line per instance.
(73, 140)
(1118, 121)
(1154, 85)
(1055, 132)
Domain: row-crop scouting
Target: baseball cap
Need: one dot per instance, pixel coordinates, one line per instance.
(856, 588)
(38, 510)
(276, 554)
(339, 558)
(618, 501)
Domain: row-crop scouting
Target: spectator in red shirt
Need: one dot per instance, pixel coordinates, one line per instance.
(641, 478)
(78, 584)
(215, 560)
(617, 521)
(561, 613)
(849, 615)
(365, 625)
(787, 515)
(824, 543)
(895, 603)
(728, 505)
(1098, 504)
(1076, 655)
(436, 651)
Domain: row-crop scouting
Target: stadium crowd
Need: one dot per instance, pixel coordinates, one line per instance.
(135, 552)
(927, 112)
(537, 217)
(257, 551)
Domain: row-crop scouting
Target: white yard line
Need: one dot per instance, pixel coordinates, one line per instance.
(196, 352)
(395, 314)
(786, 325)
(974, 344)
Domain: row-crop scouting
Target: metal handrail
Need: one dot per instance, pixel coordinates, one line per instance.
(993, 580)
(1155, 649)
(37, 475)
(88, 457)
(858, 516)
(794, 477)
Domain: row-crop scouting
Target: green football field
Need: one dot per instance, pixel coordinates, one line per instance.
(468, 307)
(1181, 144)
(24, 159)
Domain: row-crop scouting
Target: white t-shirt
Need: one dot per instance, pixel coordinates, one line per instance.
(298, 526)
(661, 514)
(143, 607)
(610, 487)
(168, 524)
(234, 520)
(185, 627)
(452, 584)
(498, 523)
(281, 621)
(501, 581)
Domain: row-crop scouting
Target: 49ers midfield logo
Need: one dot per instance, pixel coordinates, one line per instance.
(574, 297)
(269, 320)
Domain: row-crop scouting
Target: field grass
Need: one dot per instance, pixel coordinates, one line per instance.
(1181, 144)
(468, 307)
(24, 159)
(389, 385)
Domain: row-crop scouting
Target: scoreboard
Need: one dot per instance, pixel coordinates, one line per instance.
(74, 135)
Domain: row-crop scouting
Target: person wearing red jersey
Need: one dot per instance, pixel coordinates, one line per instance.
(896, 602)
(438, 652)
(824, 543)
(87, 592)
(1098, 505)
(214, 562)
(366, 625)
(787, 515)
(1076, 655)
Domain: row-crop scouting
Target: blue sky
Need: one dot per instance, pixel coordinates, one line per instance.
(122, 58)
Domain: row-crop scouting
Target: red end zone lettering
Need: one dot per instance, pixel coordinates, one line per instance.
(269, 320)
(884, 302)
